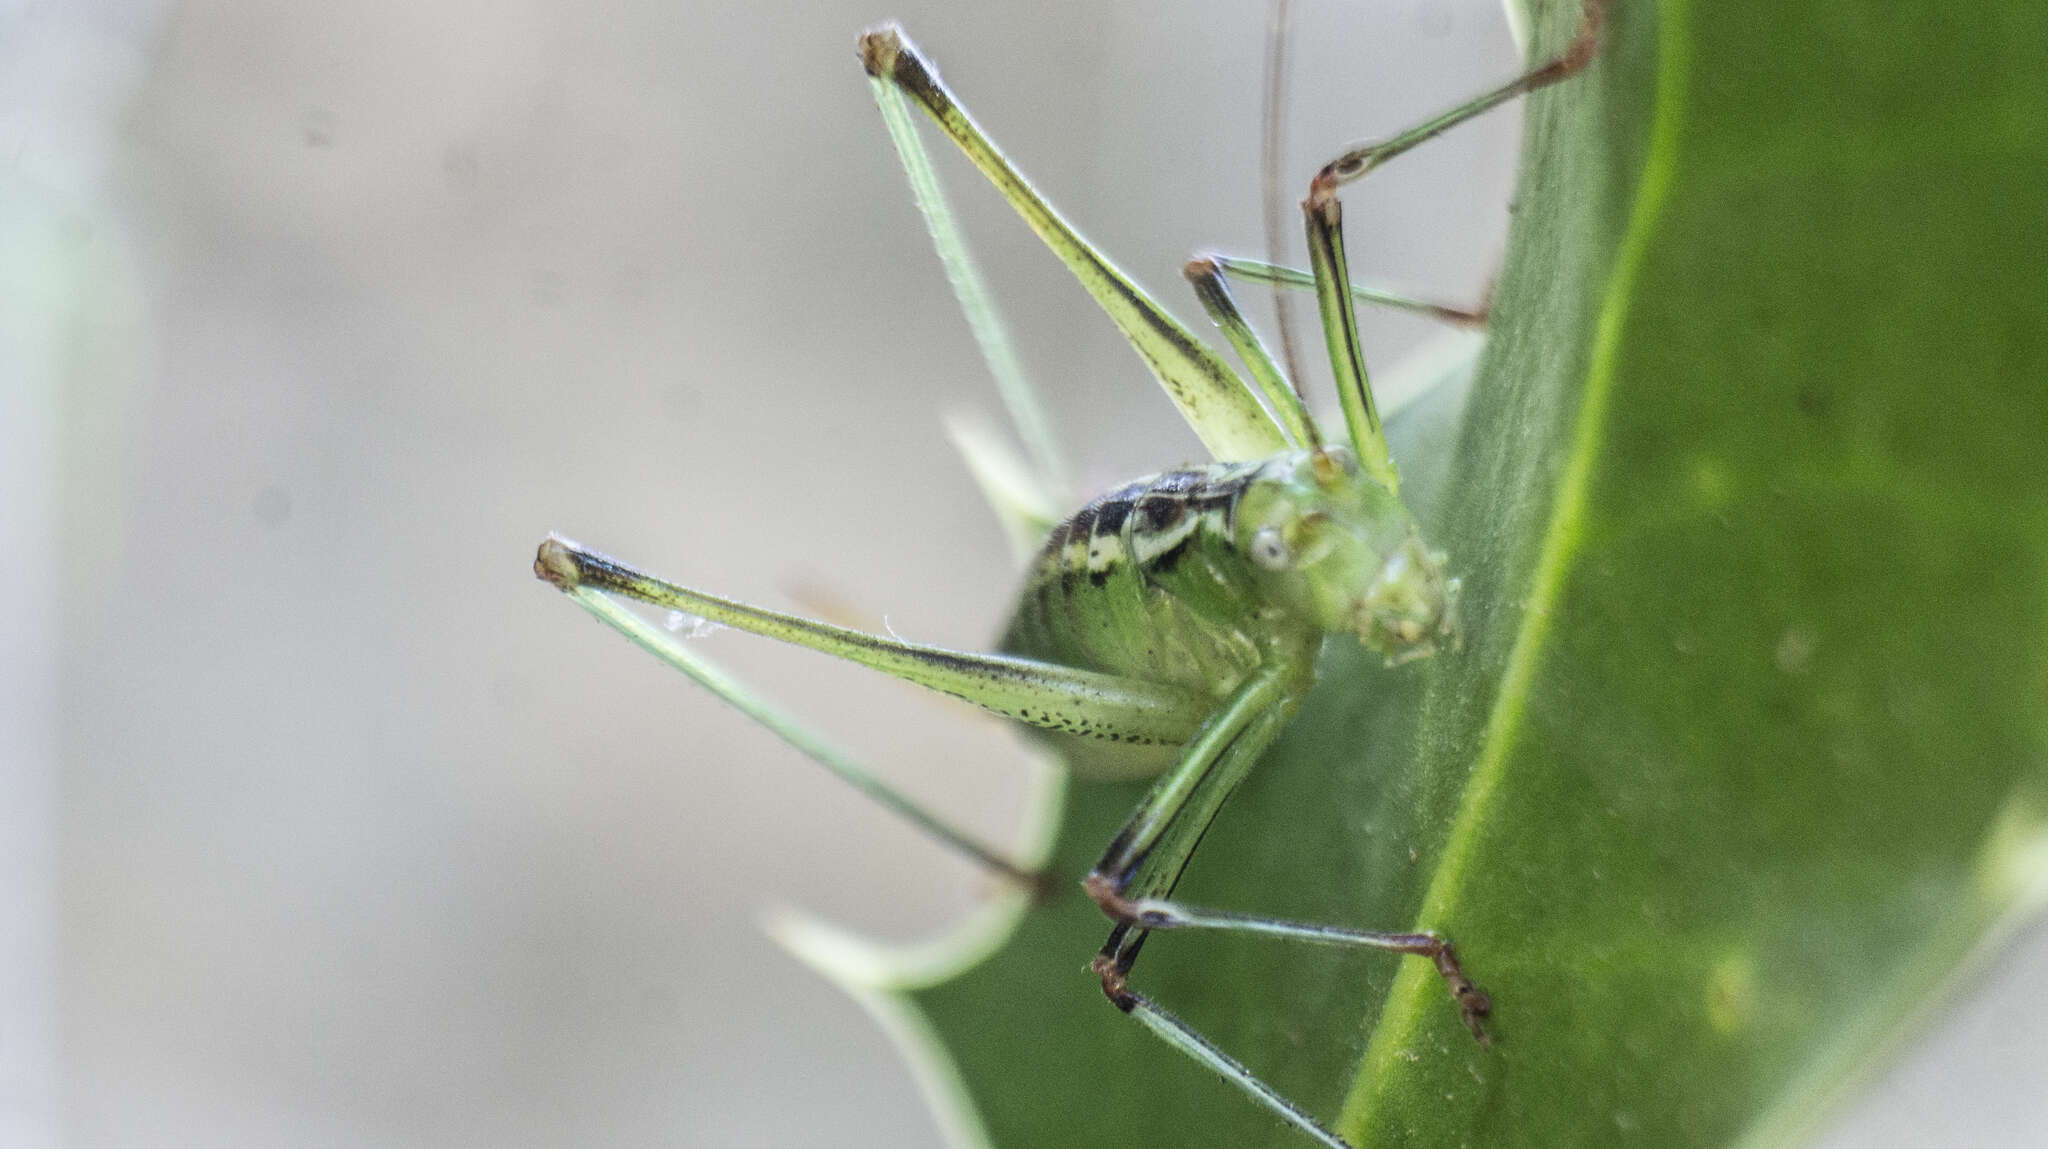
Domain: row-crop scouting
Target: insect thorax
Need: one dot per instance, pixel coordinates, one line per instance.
(1148, 581)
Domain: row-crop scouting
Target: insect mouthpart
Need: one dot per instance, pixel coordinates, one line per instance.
(1411, 607)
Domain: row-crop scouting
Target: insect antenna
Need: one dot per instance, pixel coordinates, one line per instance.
(1272, 158)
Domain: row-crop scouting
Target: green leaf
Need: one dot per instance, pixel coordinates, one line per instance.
(1747, 751)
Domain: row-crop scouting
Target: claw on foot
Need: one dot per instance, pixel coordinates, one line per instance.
(1473, 1003)
(1113, 983)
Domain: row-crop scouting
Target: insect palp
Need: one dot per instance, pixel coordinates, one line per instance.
(1332, 466)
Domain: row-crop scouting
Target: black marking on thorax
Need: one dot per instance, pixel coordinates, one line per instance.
(1151, 523)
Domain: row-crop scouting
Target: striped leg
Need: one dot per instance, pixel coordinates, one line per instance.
(1208, 272)
(1219, 406)
(1136, 875)
(1294, 279)
(1324, 218)
(712, 677)
(1205, 273)
(978, 305)
(1081, 702)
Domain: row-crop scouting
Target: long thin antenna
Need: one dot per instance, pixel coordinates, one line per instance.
(1272, 156)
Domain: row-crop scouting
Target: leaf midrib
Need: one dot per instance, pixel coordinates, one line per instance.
(1416, 988)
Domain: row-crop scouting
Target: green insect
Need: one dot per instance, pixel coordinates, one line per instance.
(1171, 626)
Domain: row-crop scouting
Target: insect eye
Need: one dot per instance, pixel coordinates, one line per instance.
(1269, 550)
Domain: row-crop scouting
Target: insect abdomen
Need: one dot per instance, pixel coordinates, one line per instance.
(1146, 581)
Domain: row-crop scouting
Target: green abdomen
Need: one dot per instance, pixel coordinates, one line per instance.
(1146, 582)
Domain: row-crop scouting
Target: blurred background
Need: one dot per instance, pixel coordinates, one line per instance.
(324, 822)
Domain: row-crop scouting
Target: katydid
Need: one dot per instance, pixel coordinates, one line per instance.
(1169, 626)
